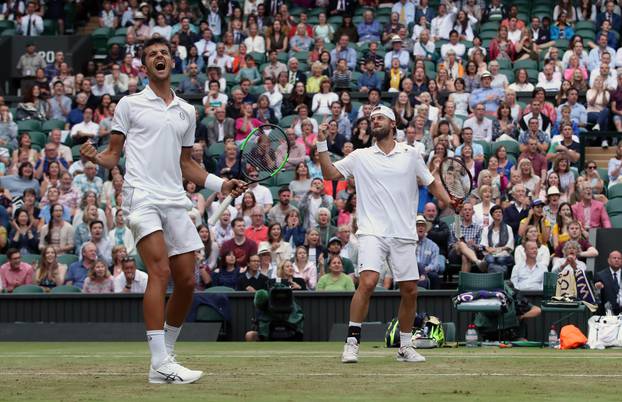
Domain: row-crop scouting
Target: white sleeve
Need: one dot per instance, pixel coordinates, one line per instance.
(347, 165)
(121, 118)
(485, 237)
(422, 170)
(188, 138)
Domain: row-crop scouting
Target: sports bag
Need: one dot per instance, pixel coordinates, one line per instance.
(604, 331)
(571, 337)
(428, 332)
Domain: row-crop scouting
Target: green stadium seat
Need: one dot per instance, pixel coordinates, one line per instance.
(206, 193)
(287, 121)
(38, 138)
(120, 31)
(140, 265)
(28, 125)
(67, 259)
(533, 75)
(509, 74)
(614, 207)
(7, 24)
(66, 289)
(206, 313)
(259, 57)
(9, 32)
(586, 34)
(176, 79)
(526, 64)
(616, 221)
(562, 44)
(470, 281)
(31, 259)
(119, 40)
(489, 27)
(274, 190)
(487, 148)
(449, 219)
(488, 35)
(27, 289)
(216, 149)
(579, 25)
(51, 124)
(614, 191)
(49, 27)
(284, 177)
(75, 152)
(3, 258)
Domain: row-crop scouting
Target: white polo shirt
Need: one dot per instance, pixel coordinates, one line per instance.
(387, 190)
(154, 136)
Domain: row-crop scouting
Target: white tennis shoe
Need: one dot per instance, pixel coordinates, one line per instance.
(350, 351)
(171, 372)
(409, 354)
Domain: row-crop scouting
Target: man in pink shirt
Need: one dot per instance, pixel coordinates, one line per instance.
(15, 273)
(591, 213)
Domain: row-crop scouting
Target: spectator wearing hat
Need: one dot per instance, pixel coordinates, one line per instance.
(487, 95)
(139, 28)
(535, 217)
(266, 265)
(428, 256)
(397, 52)
(498, 242)
(551, 209)
(333, 249)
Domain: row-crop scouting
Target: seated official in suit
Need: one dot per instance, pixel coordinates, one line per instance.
(609, 282)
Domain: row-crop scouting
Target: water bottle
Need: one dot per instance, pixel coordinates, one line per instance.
(553, 338)
(471, 336)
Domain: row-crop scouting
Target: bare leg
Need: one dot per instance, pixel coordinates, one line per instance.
(152, 250)
(466, 264)
(182, 269)
(408, 305)
(360, 300)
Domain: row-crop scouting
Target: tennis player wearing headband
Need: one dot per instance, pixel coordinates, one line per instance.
(387, 199)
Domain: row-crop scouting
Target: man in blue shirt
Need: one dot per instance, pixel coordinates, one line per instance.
(578, 112)
(369, 79)
(369, 29)
(77, 114)
(427, 256)
(489, 96)
(342, 51)
(77, 272)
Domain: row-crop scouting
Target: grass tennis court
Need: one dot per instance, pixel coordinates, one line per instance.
(306, 371)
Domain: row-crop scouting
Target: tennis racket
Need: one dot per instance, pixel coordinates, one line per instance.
(263, 154)
(457, 180)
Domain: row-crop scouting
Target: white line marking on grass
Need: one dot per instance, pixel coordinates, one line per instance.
(217, 355)
(303, 375)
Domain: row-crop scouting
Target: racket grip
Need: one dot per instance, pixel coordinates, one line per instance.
(223, 206)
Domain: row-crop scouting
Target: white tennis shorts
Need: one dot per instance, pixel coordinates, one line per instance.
(398, 253)
(145, 213)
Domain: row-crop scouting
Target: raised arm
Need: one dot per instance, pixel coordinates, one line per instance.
(329, 171)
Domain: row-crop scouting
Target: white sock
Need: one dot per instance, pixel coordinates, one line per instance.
(157, 347)
(406, 339)
(170, 337)
(354, 324)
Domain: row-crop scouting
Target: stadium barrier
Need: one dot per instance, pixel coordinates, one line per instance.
(321, 310)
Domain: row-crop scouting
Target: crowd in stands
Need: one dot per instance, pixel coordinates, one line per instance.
(509, 87)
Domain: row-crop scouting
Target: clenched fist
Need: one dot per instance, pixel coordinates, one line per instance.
(322, 130)
(88, 151)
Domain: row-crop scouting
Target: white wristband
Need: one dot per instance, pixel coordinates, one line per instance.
(213, 182)
(322, 146)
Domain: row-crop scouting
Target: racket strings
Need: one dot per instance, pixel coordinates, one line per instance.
(456, 179)
(265, 159)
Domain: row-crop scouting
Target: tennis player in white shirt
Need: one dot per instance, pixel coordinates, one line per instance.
(387, 193)
(157, 130)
